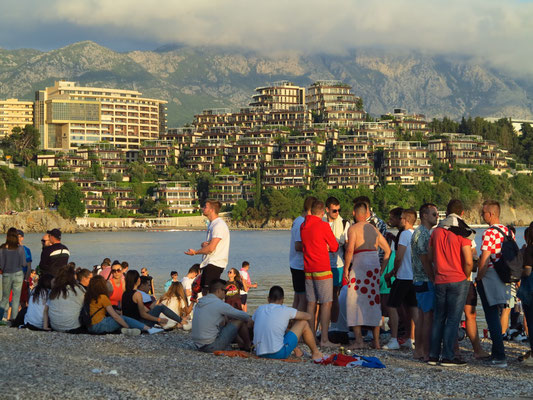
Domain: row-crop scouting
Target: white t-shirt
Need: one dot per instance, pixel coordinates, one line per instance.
(219, 257)
(245, 276)
(406, 268)
(174, 305)
(296, 258)
(187, 285)
(64, 314)
(34, 315)
(270, 323)
(336, 259)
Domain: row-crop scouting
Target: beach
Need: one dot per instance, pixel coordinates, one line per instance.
(52, 365)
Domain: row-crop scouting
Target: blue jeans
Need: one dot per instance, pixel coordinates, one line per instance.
(108, 325)
(492, 316)
(450, 299)
(11, 281)
(161, 308)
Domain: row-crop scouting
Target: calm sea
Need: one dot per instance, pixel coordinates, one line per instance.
(161, 252)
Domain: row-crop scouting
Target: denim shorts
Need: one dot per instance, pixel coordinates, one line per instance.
(425, 299)
(290, 341)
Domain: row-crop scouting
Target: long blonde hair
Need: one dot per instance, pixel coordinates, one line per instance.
(176, 290)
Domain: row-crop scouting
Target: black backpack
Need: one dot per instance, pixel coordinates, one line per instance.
(509, 266)
(86, 317)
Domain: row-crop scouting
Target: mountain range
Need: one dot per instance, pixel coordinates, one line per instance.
(194, 78)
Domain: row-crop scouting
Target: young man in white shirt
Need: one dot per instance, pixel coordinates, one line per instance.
(216, 247)
(271, 337)
(403, 290)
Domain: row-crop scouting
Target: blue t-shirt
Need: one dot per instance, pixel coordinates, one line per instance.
(28, 258)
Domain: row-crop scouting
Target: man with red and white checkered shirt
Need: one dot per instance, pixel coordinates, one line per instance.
(493, 292)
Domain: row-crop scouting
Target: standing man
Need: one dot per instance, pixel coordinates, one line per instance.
(216, 247)
(55, 256)
(296, 257)
(492, 291)
(402, 290)
(339, 227)
(423, 279)
(317, 241)
(451, 255)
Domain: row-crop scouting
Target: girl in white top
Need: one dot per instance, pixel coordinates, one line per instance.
(176, 299)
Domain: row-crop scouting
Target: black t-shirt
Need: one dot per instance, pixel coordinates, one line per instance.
(528, 256)
(233, 296)
(53, 258)
(129, 308)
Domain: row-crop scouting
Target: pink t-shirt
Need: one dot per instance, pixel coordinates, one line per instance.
(447, 256)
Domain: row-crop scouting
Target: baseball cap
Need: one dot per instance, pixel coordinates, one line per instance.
(55, 233)
(20, 233)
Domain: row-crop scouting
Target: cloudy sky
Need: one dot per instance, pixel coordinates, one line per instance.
(499, 31)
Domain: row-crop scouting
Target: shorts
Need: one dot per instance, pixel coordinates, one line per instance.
(319, 291)
(337, 276)
(244, 297)
(290, 341)
(225, 337)
(471, 297)
(209, 273)
(425, 295)
(402, 292)
(298, 280)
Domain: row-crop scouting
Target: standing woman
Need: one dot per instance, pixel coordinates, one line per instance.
(12, 262)
(144, 272)
(525, 294)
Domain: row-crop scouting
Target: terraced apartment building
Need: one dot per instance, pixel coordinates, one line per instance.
(69, 116)
(14, 113)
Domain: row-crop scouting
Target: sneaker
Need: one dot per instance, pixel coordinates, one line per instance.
(3, 323)
(524, 356)
(519, 338)
(408, 344)
(130, 332)
(456, 362)
(433, 361)
(151, 331)
(392, 344)
(498, 363)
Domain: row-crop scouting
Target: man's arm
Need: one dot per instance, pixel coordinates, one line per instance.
(483, 264)
(383, 245)
(231, 312)
(331, 240)
(468, 261)
(298, 246)
(208, 249)
(302, 315)
(425, 259)
(348, 252)
(400, 252)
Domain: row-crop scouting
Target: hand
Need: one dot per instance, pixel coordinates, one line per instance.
(162, 321)
(346, 277)
(204, 244)
(190, 252)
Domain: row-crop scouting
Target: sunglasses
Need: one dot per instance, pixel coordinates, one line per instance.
(43, 241)
(336, 211)
(116, 270)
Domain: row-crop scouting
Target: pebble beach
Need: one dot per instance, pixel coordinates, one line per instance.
(52, 365)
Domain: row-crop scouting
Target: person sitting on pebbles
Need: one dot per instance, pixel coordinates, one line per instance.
(271, 337)
(216, 324)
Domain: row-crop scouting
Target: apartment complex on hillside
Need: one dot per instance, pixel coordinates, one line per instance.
(14, 113)
(70, 116)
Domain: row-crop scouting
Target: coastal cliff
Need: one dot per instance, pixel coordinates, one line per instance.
(37, 221)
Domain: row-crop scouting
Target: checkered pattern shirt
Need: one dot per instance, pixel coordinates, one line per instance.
(492, 241)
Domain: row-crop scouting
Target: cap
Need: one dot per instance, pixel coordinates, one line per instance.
(55, 233)
(20, 233)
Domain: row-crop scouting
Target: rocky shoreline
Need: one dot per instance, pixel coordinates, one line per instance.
(51, 365)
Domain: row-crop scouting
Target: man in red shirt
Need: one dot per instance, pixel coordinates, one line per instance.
(451, 255)
(317, 241)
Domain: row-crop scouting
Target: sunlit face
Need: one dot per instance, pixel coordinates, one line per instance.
(144, 272)
(231, 274)
(432, 216)
(333, 211)
(116, 270)
(485, 214)
(206, 210)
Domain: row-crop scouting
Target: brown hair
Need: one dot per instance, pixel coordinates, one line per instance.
(318, 207)
(66, 277)
(308, 203)
(455, 206)
(175, 290)
(410, 215)
(12, 239)
(215, 205)
(97, 287)
(493, 204)
(83, 273)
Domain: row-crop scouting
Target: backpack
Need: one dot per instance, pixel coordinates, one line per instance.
(509, 266)
(86, 317)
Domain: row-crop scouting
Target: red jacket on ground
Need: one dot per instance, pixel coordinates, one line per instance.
(316, 237)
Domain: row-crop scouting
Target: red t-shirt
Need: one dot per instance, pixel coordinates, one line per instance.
(447, 255)
(316, 237)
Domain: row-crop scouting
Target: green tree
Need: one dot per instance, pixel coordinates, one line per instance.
(70, 199)
(238, 213)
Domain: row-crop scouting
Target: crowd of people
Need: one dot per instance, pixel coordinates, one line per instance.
(354, 282)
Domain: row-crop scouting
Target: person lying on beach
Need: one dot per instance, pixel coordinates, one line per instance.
(133, 306)
(216, 324)
(271, 337)
(104, 318)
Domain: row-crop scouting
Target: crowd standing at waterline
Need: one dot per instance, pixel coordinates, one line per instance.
(358, 296)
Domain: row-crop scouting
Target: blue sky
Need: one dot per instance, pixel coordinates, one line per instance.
(500, 32)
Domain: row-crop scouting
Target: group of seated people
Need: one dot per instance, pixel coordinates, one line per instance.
(106, 301)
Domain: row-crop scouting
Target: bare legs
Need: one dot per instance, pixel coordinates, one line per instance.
(423, 335)
(299, 302)
(301, 329)
(472, 332)
(325, 315)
